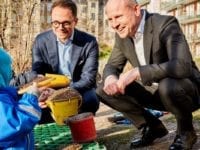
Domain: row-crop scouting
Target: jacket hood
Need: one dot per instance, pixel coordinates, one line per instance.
(5, 68)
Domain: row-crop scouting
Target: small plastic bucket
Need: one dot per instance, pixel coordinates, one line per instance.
(82, 127)
(62, 109)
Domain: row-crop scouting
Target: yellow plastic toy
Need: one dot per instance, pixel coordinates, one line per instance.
(63, 104)
(49, 81)
(59, 81)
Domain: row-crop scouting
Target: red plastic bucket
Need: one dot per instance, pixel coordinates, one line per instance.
(82, 127)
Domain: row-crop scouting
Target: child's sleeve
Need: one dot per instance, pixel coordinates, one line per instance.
(17, 117)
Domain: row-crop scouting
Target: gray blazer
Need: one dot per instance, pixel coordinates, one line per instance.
(84, 58)
(166, 52)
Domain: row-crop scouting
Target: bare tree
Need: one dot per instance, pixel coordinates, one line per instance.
(5, 14)
(20, 21)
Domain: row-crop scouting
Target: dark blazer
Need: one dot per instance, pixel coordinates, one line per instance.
(166, 52)
(84, 58)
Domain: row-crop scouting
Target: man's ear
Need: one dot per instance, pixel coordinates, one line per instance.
(76, 21)
(137, 10)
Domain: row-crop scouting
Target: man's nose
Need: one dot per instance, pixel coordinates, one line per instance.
(61, 26)
(115, 24)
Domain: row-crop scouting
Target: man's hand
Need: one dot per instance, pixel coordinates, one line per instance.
(110, 85)
(127, 78)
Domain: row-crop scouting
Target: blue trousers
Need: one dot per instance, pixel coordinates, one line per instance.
(90, 102)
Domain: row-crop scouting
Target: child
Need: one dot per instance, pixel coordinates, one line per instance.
(18, 115)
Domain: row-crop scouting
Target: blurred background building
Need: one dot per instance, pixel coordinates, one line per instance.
(188, 14)
(92, 18)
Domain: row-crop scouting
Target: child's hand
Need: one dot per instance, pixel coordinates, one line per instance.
(45, 93)
(33, 89)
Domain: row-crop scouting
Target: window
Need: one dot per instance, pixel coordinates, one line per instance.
(93, 5)
(198, 8)
(198, 49)
(92, 16)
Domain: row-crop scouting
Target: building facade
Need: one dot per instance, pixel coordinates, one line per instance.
(188, 14)
(92, 18)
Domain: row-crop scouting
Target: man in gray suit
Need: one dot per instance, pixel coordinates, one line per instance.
(66, 50)
(163, 77)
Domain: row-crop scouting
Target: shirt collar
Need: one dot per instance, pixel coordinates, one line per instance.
(142, 22)
(68, 40)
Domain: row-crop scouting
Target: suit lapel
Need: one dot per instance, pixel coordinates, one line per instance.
(75, 52)
(53, 51)
(130, 53)
(148, 38)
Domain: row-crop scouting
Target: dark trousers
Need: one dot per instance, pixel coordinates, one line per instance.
(90, 103)
(178, 96)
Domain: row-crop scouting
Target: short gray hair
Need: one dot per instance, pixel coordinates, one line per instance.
(133, 2)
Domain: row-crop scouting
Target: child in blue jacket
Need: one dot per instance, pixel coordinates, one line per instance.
(18, 116)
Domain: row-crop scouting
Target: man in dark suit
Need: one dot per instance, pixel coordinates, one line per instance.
(163, 77)
(66, 50)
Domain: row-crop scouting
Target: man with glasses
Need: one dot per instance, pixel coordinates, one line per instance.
(68, 51)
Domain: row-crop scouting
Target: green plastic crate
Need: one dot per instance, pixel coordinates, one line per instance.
(55, 137)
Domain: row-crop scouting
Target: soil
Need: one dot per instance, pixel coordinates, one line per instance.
(65, 94)
(118, 137)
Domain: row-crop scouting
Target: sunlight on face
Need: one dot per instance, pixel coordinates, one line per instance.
(123, 18)
(63, 23)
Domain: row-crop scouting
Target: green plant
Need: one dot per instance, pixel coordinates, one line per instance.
(104, 50)
(197, 61)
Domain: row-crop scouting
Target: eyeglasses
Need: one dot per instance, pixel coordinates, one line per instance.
(64, 24)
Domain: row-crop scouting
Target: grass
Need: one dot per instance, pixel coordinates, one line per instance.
(196, 115)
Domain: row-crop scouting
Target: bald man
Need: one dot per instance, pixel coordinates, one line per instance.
(163, 76)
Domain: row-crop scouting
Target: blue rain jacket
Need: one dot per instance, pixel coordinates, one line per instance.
(17, 119)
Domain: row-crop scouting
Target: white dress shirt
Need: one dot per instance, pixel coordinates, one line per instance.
(138, 41)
